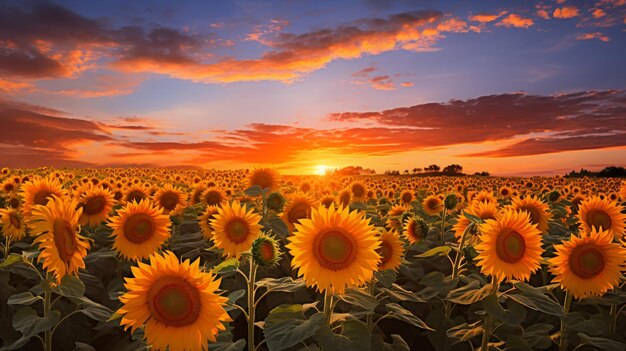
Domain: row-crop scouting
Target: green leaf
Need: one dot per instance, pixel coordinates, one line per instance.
(464, 331)
(238, 345)
(513, 316)
(23, 298)
(226, 266)
(400, 313)
(11, 260)
(354, 337)
(70, 286)
(386, 278)
(254, 190)
(397, 344)
(400, 294)
(537, 335)
(279, 227)
(29, 323)
(602, 343)
(359, 298)
(284, 284)
(469, 294)
(473, 218)
(536, 299)
(437, 251)
(236, 295)
(285, 327)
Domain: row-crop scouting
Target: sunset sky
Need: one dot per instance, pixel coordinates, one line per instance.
(511, 87)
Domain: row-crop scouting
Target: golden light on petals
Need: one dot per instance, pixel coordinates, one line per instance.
(96, 203)
(538, 211)
(391, 251)
(39, 191)
(12, 223)
(265, 178)
(235, 228)
(603, 214)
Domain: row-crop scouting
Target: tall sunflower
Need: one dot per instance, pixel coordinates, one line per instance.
(588, 265)
(139, 229)
(265, 178)
(602, 214)
(335, 249)
(391, 251)
(510, 246)
(171, 199)
(176, 304)
(538, 210)
(235, 228)
(55, 226)
(13, 226)
(96, 203)
(38, 192)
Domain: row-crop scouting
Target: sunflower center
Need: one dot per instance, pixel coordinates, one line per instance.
(433, 204)
(510, 246)
(8, 187)
(135, 195)
(94, 205)
(334, 249)
(358, 190)
(599, 219)
(297, 212)
(535, 216)
(586, 261)
(386, 252)
(139, 228)
(213, 198)
(262, 180)
(64, 239)
(267, 251)
(41, 197)
(237, 230)
(174, 302)
(169, 200)
(14, 203)
(407, 197)
(15, 220)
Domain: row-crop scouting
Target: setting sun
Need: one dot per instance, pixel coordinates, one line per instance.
(321, 169)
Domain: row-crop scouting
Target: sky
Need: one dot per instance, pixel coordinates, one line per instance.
(512, 87)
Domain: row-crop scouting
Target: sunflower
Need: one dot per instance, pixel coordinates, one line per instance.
(139, 229)
(539, 211)
(482, 210)
(335, 249)
(13, 226)
(432, 205)
(39, 191)
(136, 193)
(510, 246)
(175, 303)
(265, 178)
(602, 214)
(56, 227)
(484, 196)
(622, 191)
(171, 199)
(345, 197)
(235, 228)
(391, 251)
(358, 190)
(96, 203)
(205, 221)
(298, 207)
(394, 217)
(415, 230)
(406, 197)
(588, 265)
(327, 200)
(196, 194)
(9, 186)
(213, 197)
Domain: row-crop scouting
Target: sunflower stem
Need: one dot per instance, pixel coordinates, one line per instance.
(251, 304)
(457, 263)
(7, 246)
(370, 316)
(566, 306)
(47, 307)
(613, 324)
(328, 306)
(489, 320)
(443, 222)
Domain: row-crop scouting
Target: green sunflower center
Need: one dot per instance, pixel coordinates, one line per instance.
(237, 230)
(139, 228)
(334, 249)
(510, 246)
(599, 219)
(586, 261)
(174, 302)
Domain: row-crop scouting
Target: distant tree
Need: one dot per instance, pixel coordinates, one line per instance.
(406, 171)
(453, 169)
(432, 168)
(482, 174)
(612, 171)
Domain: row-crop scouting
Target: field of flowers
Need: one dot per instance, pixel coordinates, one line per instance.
(129, 259)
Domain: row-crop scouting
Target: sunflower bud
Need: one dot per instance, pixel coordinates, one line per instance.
(451, 201)
(265, 251)
(554, 195)
(275, 202)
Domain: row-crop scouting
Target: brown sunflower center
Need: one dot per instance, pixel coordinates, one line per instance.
(94, 205)
(64, 239)
(334, 249)
(407, 197)
(8, 187)
(358, 190)
(510, 246)
(385, 251)
(237, 230)
(15, 220)
(535, 216)
(174, 302)
(169, 200)
(42, 196)
(433, 204)
(297, 212)
(599, 219)
(263, 180)
(135, 195)
(213, 198)
(139, 228)
(586, 261)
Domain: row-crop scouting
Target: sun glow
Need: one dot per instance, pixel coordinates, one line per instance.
(321, 169)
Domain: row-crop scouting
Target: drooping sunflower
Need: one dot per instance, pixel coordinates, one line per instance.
(335, 249)
(213, 197)
(588, 265)
(175, 303)
(39, 191)
(538, 210)
(602, 214)
(139, 229)
(265, 178)
(391, 251)
(171, 199)
(298, 207)
(433, 205)
(205, 221)
(394, 217)
(96, 203)
(235, 228)
(415, 230)
(55, 226)
(13, 226)
(482, 210)
(510, 247)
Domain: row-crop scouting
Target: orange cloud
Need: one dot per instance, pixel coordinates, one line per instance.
(598, 13)
(566, 12)
(484, 17)
(594, 35)
(515, 20)
(7, 86)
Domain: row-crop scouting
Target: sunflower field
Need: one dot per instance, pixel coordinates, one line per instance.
(166, 259)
